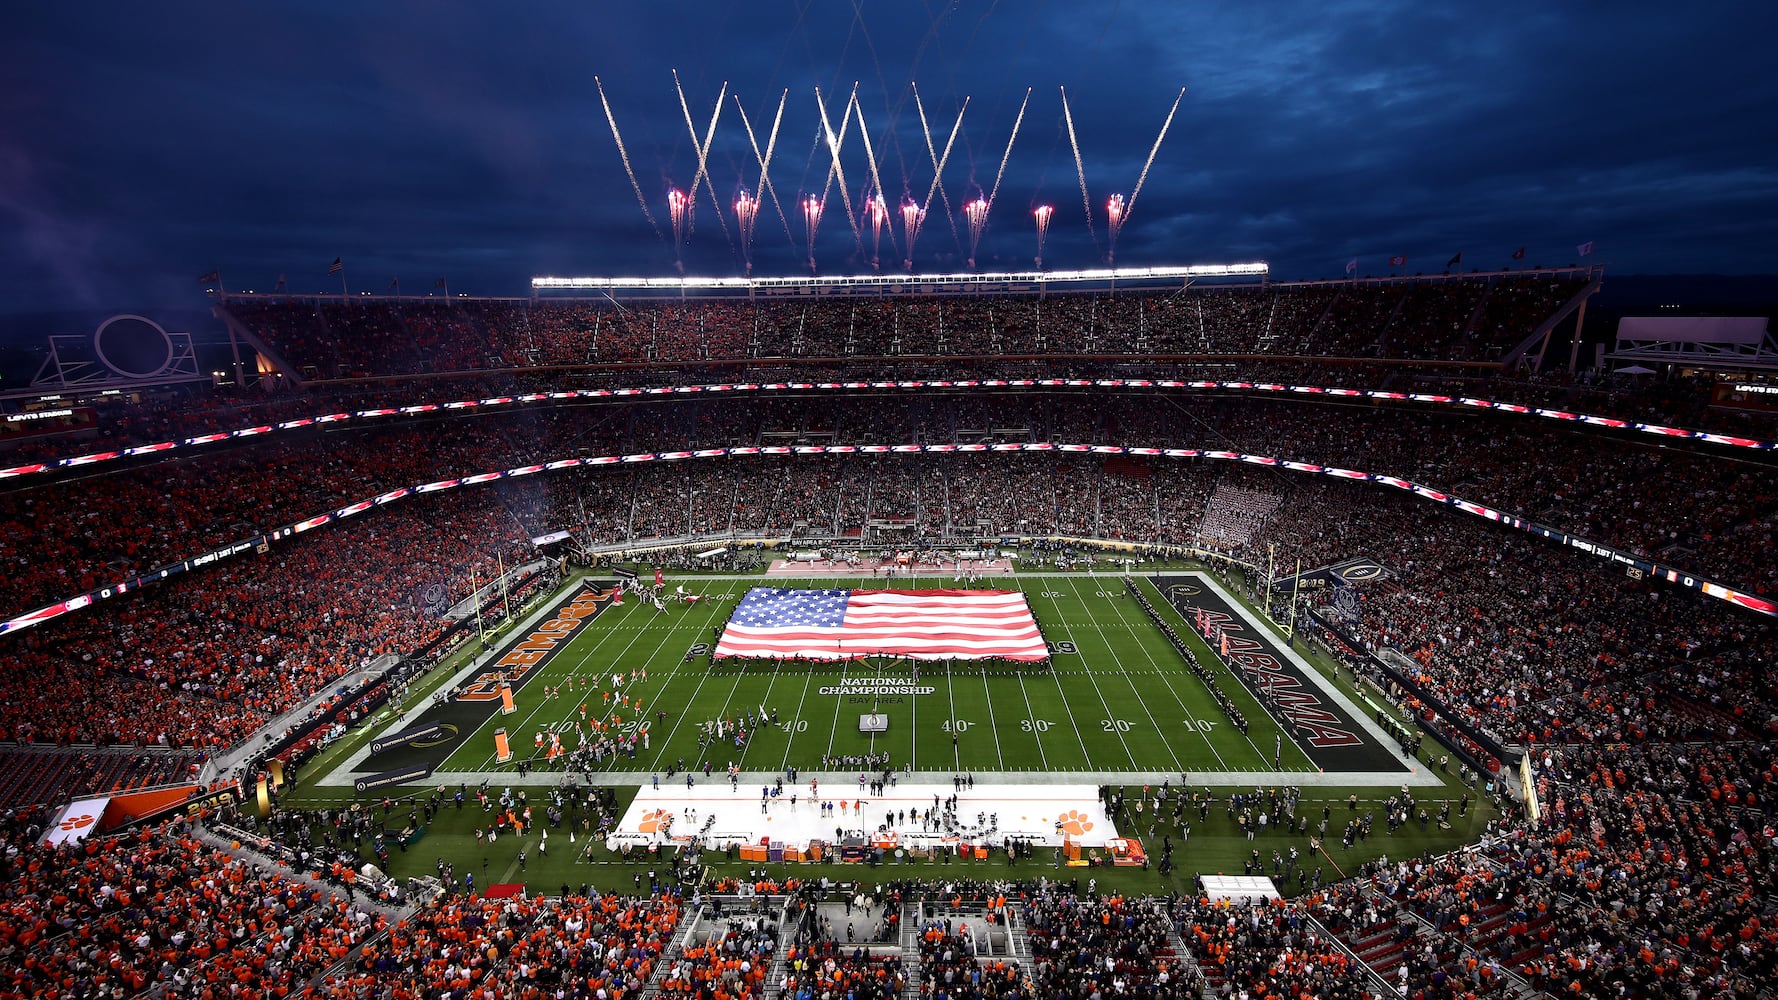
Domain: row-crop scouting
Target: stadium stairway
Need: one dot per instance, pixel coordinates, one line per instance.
(1184, 964)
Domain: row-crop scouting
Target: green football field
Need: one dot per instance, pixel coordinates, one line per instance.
(1118, 698)
(1120, 706)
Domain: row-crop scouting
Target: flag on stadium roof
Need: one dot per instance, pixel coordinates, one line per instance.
(777, 623)
(210, 279)
(337, 266)
(1519, 254)
(1456, 258)
(1585, 249)
(1399, 260)
(1352, 266)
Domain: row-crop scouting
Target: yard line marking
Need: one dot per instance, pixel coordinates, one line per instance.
(1032, 714)
(956, 744)
(767, 697)
(837, 702)
(1240, 684)
(1117, 606)
(992, 727)
(1055, 675)
(794, 718)
(680, 717)
(1096, 689)
(1168, 681)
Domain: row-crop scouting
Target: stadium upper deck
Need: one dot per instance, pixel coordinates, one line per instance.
(1479, 319)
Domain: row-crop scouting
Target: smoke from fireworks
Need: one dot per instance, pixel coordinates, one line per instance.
(1041, 215)
(702, 150)
(938, 163)
(1080, 168)
(834, 144)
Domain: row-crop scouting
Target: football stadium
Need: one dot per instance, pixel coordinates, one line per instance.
(1179, 629)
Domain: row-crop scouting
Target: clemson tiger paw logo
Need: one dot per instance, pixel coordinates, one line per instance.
(655, 820)
(1074, 822)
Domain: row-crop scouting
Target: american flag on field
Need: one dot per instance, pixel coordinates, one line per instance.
(776, 623)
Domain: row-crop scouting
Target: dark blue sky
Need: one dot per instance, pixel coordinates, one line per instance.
(142, 145)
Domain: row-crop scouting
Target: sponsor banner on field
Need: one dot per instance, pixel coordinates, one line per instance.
(385, 779)
(414, 735)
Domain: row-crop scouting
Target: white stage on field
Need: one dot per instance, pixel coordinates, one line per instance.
(879, 568)
(709, 810)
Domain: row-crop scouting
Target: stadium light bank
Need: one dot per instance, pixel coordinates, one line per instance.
(908, 282)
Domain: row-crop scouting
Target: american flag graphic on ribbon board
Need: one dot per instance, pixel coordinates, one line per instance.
(779, 623)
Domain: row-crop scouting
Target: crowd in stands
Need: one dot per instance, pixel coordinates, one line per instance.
(161, 910)
(1710, 516)
(1649, 711)
(1452, 318)
(34, 774)
(206, 660)
(1107, 946)
(582, 946)
(255, 635)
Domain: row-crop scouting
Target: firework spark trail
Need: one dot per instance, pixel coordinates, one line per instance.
(1009, 141)
(625, 154)
(1115, 214)
(679, 211)
(938, 165)
(874, 206)
(703, 152)
(1086, 200)
(746, 211)
(812, 207)
(976, 211)
(765, 159)
(833, 150)
(1131, 207)
(879, 214)
(1041, 214)
(911, 217)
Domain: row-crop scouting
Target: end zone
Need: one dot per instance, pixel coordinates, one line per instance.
(1332, 732)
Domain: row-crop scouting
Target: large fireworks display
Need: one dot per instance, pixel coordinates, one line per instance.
(887, 177)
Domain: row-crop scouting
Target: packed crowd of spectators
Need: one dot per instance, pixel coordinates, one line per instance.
(1448, 318)
(256, 634)
(1648, 710)
(205, 660)
(161, 910)
(1266, 949)
(1711, 516)
(574, 945)
(1093, 945)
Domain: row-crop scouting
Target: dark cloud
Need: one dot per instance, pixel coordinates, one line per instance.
(141, 146)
